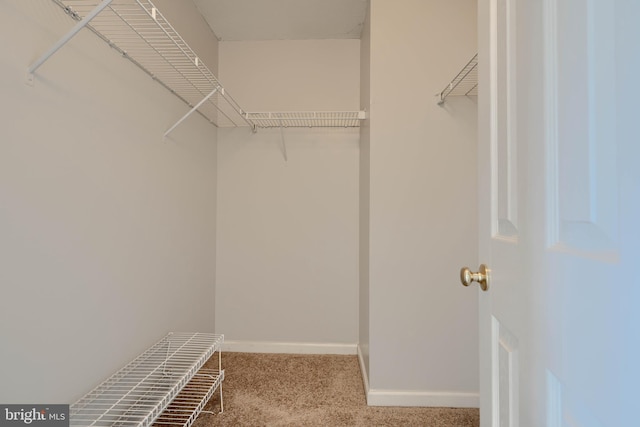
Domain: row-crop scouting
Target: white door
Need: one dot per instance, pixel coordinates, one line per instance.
(559, 135)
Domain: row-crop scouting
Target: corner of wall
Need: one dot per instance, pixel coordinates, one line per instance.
(362, 351)
(364, 201)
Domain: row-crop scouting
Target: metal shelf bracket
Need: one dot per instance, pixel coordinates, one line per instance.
(284, 144)
(205, 99)
(80, 25)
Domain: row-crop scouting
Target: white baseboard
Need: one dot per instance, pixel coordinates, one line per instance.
(374, 397)
(415, 398)
(422, 398)
(289, 347)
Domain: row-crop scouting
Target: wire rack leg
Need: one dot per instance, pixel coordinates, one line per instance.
(220, 373)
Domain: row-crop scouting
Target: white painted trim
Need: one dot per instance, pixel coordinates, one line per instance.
(422, 398)
(554, 400)
(374, 397)
(550, 90)
(289, 347)
(493, 112)
(495, 371)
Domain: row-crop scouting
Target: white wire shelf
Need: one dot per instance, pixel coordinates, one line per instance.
(184, 409)
(140, 392)
(139, 31)
(465, 82)
(306, 119)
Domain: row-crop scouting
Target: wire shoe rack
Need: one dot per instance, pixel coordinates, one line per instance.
(165, 385)
(141, 34)
(188, 404)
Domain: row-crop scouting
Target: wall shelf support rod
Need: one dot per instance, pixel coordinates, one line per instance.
(80, 25)
(284, 144)
(205, 99)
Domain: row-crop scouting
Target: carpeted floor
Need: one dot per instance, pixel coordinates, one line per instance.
(310, 390)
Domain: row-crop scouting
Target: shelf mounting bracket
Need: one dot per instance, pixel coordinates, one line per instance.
(80, 25)
(205, 99)
(284, 144)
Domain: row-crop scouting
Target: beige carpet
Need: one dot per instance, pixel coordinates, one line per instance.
(310, 390)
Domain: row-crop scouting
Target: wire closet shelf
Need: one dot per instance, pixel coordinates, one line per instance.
(165, 385)
(465, 83)
(139, 31)
(306, 119)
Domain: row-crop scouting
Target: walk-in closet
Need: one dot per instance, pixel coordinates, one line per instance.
(287, 189)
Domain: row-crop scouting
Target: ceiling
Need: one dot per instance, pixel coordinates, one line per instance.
(235, 20)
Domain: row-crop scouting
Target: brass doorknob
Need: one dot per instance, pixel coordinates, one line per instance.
(482, 277)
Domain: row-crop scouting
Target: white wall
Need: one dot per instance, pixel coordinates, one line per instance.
(422, 206)
(186, 19)
(292, 75)
(287, 270)
(108, 232)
